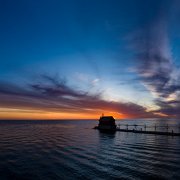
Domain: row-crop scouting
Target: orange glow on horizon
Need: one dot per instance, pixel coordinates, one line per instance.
(7, 113)
(32, 114)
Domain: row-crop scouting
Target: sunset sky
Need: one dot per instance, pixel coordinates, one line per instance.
(77, 59)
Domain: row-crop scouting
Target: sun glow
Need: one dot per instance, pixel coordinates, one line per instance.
(7, 113)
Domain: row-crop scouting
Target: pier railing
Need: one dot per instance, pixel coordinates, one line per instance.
(153, 128)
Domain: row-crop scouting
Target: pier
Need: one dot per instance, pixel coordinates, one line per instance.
(144, 129)
(107, 124)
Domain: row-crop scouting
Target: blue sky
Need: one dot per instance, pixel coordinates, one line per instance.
(97, 47)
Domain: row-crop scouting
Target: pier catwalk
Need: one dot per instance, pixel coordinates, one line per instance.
(143, 129)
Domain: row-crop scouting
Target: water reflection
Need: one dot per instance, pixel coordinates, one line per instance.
(73, 150)
(106, 138)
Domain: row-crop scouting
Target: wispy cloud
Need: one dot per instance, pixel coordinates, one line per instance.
(52, 94)
(155, 64)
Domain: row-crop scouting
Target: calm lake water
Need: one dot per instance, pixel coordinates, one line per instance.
(73, 150)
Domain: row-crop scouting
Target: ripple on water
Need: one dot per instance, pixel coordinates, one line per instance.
(73, 150)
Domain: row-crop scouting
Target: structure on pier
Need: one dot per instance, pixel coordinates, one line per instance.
(107, 123)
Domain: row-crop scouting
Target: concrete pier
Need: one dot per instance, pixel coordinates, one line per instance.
(144, 130)
(149, 132)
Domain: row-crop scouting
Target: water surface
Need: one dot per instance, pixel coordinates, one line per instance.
(73, 150)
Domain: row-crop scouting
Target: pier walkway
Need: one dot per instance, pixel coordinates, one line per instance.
(154, 129)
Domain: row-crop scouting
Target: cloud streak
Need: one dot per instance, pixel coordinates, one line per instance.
(155, 64)
(54, 95)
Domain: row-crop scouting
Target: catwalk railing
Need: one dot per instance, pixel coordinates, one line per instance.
(150, 129)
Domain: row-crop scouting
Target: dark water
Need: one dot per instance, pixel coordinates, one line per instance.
(73, 150)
